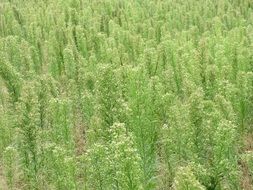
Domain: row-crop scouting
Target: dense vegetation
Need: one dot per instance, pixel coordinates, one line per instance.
(126, 94)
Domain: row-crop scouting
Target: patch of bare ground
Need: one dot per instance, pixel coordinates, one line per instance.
(3, 184)
(80, 144)
(247, 178)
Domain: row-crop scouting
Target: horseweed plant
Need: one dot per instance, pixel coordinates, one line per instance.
(136, 94)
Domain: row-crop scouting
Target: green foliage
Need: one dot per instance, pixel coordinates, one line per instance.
(120, 160)
(185, 179)
(28, 128)
(136, 94)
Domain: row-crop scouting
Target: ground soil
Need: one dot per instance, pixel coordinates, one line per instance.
(3, 184)
(247, 179)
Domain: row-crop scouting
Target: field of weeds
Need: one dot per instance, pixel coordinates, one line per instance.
(126, 94)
